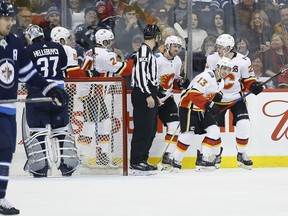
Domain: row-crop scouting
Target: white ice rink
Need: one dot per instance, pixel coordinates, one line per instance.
(225, 192)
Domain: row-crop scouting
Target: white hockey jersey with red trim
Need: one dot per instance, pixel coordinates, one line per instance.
(168, 70)
(201, 89)
(242, 72)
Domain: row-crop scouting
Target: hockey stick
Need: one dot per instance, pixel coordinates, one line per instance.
(165, 149)
(184, 35)
(283, 70)
(28, 100)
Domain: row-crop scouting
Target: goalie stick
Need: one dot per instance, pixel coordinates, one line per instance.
(28, 100)
(283, 70)
(184, 35)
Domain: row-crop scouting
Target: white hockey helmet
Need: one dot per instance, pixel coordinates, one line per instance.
(172, 39)
(33, 31)
(224, 61)
(104, 37)
(225, 40)
(59, 33)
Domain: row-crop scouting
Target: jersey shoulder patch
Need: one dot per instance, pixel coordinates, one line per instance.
(211, 74)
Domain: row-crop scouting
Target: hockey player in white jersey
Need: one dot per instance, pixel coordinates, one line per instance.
(242, 78)
(169, 68)
(100, 61)
(62, 36)
(198, 113)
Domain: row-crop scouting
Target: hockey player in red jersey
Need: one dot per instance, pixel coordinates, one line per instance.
(198, 114)
(242, 78)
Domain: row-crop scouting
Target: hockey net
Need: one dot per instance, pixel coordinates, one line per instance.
(97, 112)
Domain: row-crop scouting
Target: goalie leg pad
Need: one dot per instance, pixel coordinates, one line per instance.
(67, 159)
(38, 154)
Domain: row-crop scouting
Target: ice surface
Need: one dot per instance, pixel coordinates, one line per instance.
(225, 192)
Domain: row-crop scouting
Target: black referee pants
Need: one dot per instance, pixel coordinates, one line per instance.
(145, 126)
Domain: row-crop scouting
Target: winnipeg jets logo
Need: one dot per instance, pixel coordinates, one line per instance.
(7, 72)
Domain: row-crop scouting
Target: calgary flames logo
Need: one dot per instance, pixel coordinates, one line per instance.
(166, 80)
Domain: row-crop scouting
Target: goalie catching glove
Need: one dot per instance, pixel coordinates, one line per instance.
(59, 96)
(256, 88)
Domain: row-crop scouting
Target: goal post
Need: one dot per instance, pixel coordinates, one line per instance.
(97, 112)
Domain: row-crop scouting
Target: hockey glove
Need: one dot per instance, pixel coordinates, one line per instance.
(183, 83)
(213, 108)
(59, 96)
(218, 97)
(256, 88)
(161, 92)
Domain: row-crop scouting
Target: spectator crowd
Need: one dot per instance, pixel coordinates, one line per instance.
(258, 27)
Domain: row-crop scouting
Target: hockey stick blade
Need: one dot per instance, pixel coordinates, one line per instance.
(27, 100)
(181, 32)
(282, 71)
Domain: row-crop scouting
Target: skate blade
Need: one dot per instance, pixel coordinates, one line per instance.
(217, 166)
(243, 166)
(205, 169)
(174, 170)
(133, 172)
(166, 166)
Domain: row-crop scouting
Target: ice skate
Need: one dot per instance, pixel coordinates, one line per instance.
(244, 161)
(166, 161)
(142, 169)
(175, 166)
(204, 163)
(7, 209)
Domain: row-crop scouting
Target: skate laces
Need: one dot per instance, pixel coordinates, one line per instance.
(210, 158)
(245, 157)
(5, 203)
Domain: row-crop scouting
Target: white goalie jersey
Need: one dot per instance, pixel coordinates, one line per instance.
(169, 70)
(233, 82)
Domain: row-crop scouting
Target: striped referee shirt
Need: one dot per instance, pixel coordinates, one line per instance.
(145, 73)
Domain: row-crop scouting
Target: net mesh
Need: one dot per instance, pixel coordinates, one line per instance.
(96, 115)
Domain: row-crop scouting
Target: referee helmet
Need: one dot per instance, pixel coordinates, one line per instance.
(151, 31)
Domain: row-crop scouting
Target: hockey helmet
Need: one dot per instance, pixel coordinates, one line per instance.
(104, 37)
(34, 31)
(224, 61)
(6, 9)
(151, 31)
(225, 40)
(172, 39)
(59, 33)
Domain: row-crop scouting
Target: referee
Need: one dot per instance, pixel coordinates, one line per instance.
(144, 101)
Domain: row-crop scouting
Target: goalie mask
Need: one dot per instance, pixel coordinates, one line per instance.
(32, 32)
(60, 33)
(104, 37)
